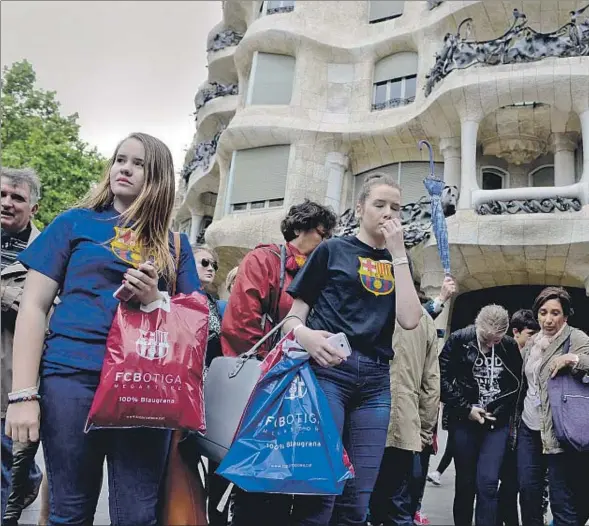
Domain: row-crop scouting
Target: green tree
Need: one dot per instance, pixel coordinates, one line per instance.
(34, 133)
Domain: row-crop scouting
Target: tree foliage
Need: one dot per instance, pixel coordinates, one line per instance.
(34, 133)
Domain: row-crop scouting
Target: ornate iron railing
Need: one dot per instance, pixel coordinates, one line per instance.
(433, 3)
(212, 91)
(392, 103)
(519, 43)
(224, 39)
(280, 9)
(203, 154)
(530, 206)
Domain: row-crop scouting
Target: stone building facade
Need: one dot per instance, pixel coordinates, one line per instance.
(306, 98)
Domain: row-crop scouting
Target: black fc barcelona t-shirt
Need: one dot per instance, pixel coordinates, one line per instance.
(350, 288)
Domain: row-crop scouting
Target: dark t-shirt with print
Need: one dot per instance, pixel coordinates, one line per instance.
(351, 289)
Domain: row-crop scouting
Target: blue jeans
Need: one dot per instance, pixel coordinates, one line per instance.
(391, 501)
(28, 482)
(478, 457)
(136, 458)
(569, 491)
(531, 473)
(358, 392)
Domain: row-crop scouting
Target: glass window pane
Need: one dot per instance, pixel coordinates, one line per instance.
(395, 91)
(275, 202)
(410, 89)
(257, 204)
(543, 177)
(492, 181)
(239, 206)
(380, 93)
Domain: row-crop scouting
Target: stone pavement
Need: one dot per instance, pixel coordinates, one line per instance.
(437, 504)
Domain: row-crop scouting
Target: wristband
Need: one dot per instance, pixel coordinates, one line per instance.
(24, 398)
(400, 261)
(24, 392)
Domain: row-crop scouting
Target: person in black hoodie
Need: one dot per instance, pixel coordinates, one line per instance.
(480, 369)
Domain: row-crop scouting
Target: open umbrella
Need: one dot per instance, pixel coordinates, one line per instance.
(434, 187)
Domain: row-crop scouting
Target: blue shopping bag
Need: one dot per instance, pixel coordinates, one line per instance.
(287, 441)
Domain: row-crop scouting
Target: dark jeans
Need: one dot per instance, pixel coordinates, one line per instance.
(391, 501)
(447, 457)
(478, 457)
(569, 490)
(508, 490)
(216, 486)
(358, 392)
(260, 508)
(21, 477)
(136, 458)
(420, 469)
(531, 472)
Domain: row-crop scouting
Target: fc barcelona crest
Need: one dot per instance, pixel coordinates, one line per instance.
(376, 276)
(125, 246)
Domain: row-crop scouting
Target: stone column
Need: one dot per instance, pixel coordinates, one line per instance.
(194, 228)
(584, 118)
(468, 164)
(335, 168)
(450, 149)
(564, 159)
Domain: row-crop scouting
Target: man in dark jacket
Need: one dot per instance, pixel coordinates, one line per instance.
(480, 369)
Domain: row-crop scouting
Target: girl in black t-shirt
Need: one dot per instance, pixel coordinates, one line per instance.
(359, 286)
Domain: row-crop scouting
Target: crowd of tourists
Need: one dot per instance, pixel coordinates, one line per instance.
(492, 378)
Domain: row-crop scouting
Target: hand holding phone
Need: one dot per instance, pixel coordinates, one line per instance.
(123, 294)
(340, 341)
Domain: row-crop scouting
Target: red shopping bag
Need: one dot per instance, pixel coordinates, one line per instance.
(152, 374)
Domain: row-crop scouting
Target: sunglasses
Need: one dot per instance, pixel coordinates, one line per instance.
(206, 262)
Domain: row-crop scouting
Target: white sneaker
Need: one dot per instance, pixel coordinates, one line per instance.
(434, 478)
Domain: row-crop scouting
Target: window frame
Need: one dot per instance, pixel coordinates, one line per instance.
(537, 169)
(495, 170)
(384, 19)
(282, 3)
(389, 83)
(269, 204)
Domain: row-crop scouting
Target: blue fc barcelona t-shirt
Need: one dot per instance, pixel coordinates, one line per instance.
(87, 253)
(351, 289)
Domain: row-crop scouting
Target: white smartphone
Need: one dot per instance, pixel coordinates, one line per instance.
(340, 341)
(123, 294)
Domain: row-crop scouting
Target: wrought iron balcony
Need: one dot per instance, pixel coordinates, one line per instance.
(433, 3)
(212, 91)
(519, 43)
(392, 103)
(224, 39)
(203, 153)
(280, 9)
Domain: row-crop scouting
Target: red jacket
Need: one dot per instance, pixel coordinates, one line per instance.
(253, 294)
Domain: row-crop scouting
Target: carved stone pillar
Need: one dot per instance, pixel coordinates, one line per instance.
(468, 164)
(195, 228)
(563, 147)
(584, 118)
(335, 168)
(450, 149)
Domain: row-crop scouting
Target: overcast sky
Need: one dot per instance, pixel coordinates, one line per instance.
(124, 66)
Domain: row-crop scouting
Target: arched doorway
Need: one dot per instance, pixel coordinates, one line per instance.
(513, 298)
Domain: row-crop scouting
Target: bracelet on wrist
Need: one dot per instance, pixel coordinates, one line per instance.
(400, 261)
(24, 392)
(24, 398)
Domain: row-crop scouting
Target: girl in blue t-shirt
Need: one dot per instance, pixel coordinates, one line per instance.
(118, 235)
(357, 286)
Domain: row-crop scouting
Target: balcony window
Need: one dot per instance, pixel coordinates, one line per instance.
(271, 7)
(381, 10)
(204, 224)
(257, 178)
(271, 79)
(543, 176)
(493, 178)
(395, 81)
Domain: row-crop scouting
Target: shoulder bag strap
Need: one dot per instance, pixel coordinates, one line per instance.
(177, 249)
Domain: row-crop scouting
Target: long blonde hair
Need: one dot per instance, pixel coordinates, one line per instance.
(151, 212)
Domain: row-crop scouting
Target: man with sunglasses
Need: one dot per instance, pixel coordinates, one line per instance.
(256, 304)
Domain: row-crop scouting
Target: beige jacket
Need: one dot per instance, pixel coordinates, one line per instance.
(13, 281)
(580, 347)
(415, 386)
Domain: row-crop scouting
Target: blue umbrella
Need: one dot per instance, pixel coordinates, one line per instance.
(434, 187)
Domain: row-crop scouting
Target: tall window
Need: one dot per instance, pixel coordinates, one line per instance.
(493, 178)
(271, 79)
(543, 176)
(395, 81)
(381, 10)
(271, 7)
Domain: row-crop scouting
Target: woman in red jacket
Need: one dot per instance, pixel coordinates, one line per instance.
(257, 303)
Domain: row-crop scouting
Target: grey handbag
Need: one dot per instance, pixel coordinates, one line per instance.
(228, 386)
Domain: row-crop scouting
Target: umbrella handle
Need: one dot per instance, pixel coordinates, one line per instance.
(420, 144)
